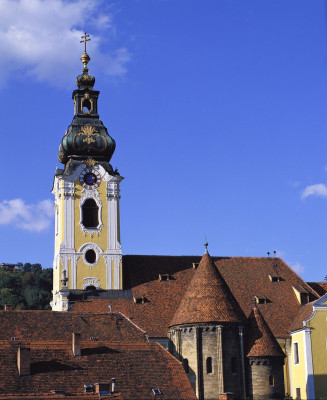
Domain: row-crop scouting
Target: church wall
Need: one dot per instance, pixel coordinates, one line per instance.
(318, 339)
(298, 369)
(209, 349)
(231, 349)
(98, 270)
(259, 385)
(184, 347)
(99, 238)
(188, 351)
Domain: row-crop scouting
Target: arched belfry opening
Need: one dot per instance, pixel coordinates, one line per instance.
(90, 214)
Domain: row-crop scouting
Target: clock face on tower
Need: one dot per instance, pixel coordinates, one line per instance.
(90, 178)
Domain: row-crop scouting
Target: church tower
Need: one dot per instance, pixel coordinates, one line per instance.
(87, 234)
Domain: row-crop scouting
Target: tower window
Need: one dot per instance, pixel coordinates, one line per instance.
(234, 365)
(90, 256)
(271, 380)
(209, 365)
(296, 353)
(86, 106)
(90, 213)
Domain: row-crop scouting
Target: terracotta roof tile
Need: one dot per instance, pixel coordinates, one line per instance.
(207, 298)
(304, 313)
(319, 287)
(259, 340)
(43, 325)
(137, 366)
(245, 276)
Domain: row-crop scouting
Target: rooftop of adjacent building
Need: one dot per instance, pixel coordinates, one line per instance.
(110, 347)
(158, 283)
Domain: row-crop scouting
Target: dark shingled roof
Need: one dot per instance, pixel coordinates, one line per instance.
(207, 298)
(260, 341)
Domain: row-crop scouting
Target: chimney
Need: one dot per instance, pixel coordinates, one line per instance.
(113, 384)
(102, 389)
(23, 361)
(76, 344)
(9, 307)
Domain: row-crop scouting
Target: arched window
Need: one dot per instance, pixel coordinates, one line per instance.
(86, 106)
(90, 214)
(186, 366)
(271, 380)
(209, 365)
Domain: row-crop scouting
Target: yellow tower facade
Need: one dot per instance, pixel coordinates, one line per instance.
(88, 253)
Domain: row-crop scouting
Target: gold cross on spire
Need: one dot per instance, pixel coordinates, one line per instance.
(85, 39)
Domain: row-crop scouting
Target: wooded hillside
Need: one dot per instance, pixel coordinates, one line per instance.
(27, 289)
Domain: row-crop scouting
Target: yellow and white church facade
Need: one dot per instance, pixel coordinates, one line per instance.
(88, 252)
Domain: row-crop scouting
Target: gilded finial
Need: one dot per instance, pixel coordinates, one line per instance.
(85, 57)
(90, 162)
(206, 245)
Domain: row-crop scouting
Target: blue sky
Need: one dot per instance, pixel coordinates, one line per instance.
(218, 109)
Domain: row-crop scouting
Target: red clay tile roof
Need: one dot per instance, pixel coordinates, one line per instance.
(319, 287)
(43, 325)
(305, 313)
(259, 340)
(207, 298)
(245, 276)
(137, 367)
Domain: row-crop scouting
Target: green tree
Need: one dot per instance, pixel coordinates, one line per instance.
(29, 288)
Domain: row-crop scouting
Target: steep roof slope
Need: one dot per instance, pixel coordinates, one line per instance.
(207, 298)
(260, 341)
(304, 314)
(246, 277)
(137, 367)
(319, 287)
(53, 326)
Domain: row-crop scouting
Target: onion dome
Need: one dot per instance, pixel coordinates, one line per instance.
(86, 137)
(207, 298)
(260, 341)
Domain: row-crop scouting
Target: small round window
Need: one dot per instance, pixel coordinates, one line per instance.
(90, 256)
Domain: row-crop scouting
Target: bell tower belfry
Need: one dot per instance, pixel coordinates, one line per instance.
(87, 233)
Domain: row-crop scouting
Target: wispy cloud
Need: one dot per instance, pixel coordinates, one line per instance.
(318, 190)
(294, 184)
(31, 217)
(41, 38)
(280, 254)
(297, 267)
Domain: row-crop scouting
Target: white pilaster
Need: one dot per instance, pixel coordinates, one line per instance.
(308, 362)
